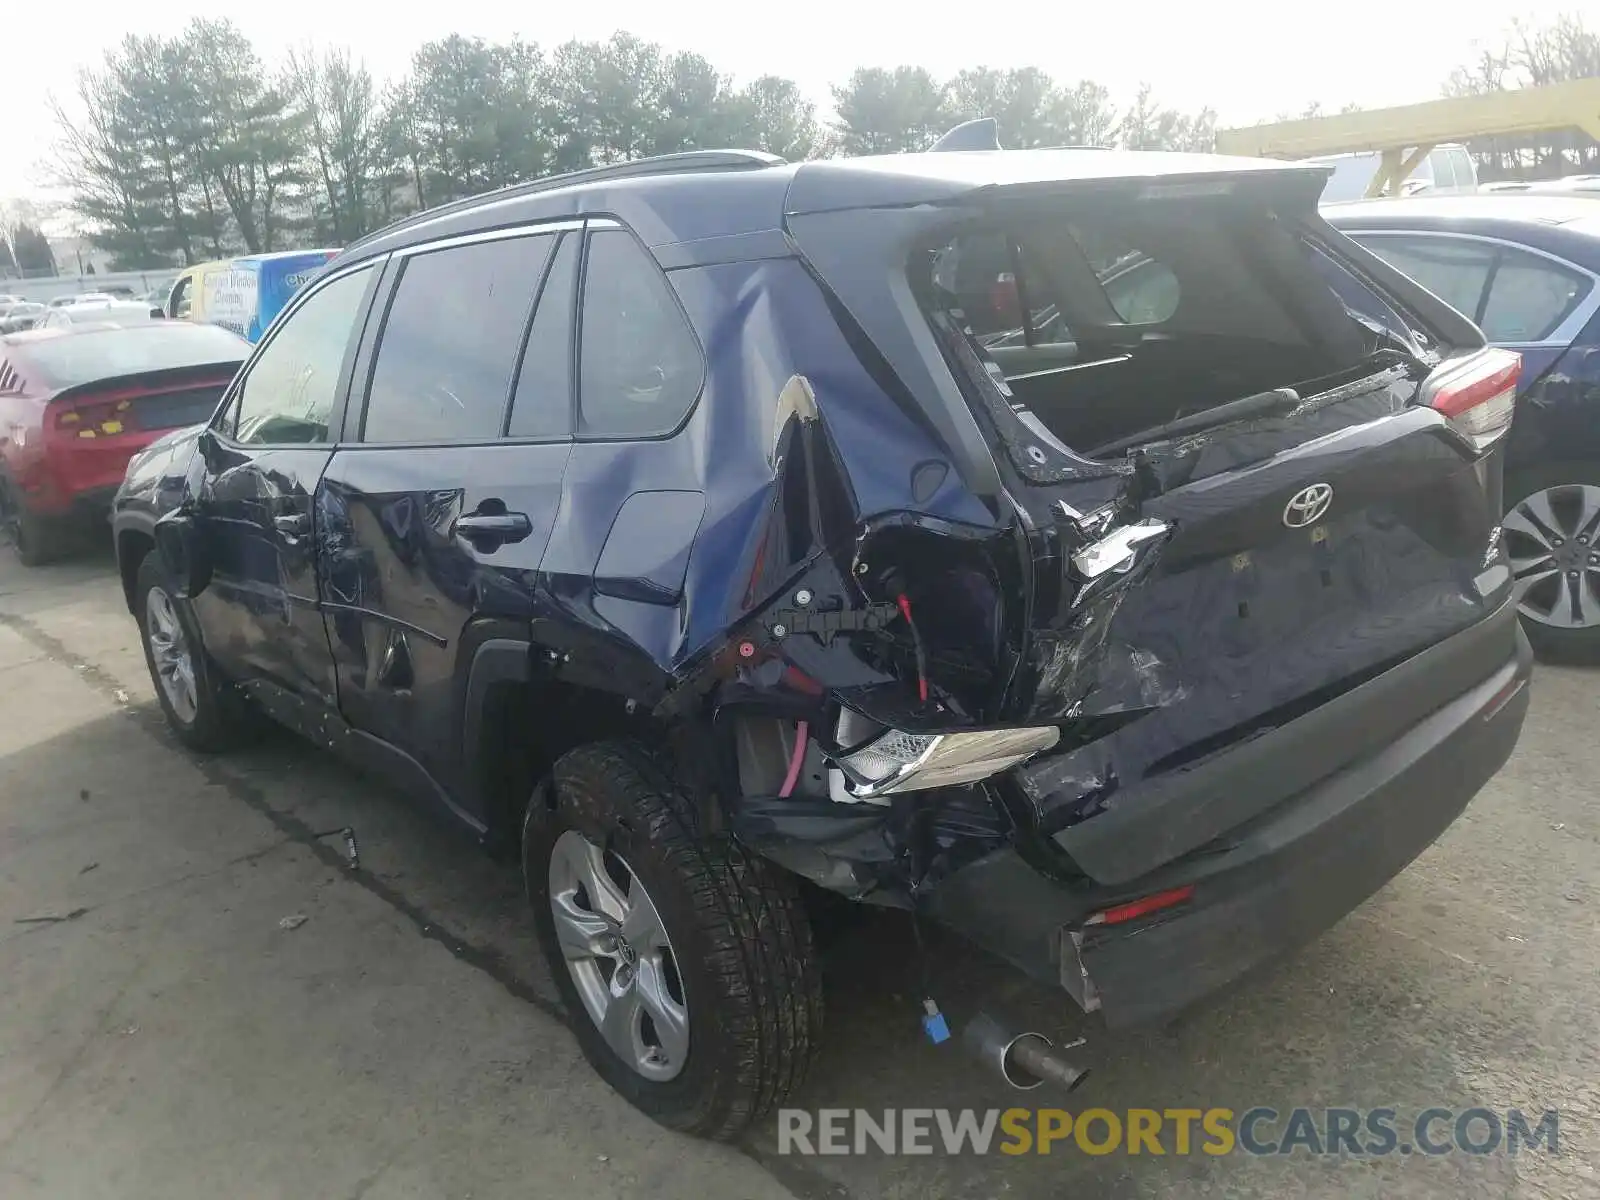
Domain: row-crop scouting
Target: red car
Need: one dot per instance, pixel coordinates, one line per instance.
(76, 403)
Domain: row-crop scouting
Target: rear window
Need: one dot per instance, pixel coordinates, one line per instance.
(1105, 322)
(104, 354)
(1106, 271)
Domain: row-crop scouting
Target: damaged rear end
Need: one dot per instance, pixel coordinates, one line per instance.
(1220, 635)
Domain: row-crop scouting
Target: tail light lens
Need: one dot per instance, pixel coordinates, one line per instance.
(1476, 394)
(909, 762)
(91, 420)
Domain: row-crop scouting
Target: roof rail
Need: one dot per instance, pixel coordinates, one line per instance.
(683, 162)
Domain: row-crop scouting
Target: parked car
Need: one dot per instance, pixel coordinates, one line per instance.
(1526, 269)
(243, 294)
(1569, 185)
(672, 524)
(22, 316)
(1444, 170)
(76, 298)
(76, 403)
(114, 312)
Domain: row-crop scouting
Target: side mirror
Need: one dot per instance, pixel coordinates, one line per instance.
(185, 556)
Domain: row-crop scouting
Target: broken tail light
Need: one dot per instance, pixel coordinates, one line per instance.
(912, 762)
(1476, 394)
(96, 419)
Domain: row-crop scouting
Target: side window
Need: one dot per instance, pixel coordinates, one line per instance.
(288, 392)
(990, 279)
(1466, 169)
(977, 272)
(1529, 297)
(1442, 167)
(182, 299)
(1146, 293)
(1455, 271)
(1142, 289)
(450, 340)
(639, 363)
(1354, 294)
(542, 406)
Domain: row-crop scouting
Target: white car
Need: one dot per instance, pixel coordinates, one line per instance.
(78, 298)
(1447, 169)
(115, 312)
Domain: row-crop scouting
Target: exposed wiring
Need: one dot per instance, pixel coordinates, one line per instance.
(904, 602)
(801, 734)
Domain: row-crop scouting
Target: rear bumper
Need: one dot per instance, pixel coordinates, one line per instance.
(80, 479)
(1271, 884)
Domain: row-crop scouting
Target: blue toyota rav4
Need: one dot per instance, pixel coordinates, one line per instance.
(707, 524)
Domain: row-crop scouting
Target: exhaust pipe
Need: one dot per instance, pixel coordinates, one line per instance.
(1024, 1060)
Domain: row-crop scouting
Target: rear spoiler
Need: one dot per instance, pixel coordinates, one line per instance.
(197, 375)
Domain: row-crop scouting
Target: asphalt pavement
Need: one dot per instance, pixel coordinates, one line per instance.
(199, 997)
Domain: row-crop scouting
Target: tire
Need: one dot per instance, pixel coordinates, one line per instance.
(37, 540)
(1571, 496)
(734, 931)
(217, 717)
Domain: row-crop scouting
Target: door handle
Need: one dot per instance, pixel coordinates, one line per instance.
(293, 525)
(494, 526)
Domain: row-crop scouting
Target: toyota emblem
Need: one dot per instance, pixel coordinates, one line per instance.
(1306, 506)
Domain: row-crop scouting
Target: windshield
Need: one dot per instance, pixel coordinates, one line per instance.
(106, 353)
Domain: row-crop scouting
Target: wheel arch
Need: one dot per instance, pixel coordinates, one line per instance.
(133, 544)
(519, 716)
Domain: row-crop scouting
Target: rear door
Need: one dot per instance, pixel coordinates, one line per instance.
(263, 457)
(438, 504)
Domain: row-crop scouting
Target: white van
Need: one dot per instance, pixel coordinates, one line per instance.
(1447, 169)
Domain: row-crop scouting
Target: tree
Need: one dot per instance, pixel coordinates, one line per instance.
(608, 100)
(100, 160)
(1085, 115)
(1028, 106)
(1532, 56)
(772, 114)
(342, 119)
(888, 112)
(472, 116)
(1148, 126)
(249, 142)
(31, 250)
(190, 147)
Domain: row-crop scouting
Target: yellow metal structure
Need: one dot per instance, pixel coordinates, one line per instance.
(1406, 134)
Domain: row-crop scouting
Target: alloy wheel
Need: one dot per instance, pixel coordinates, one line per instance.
(169, 651)
(620, 958)
(1550, 538)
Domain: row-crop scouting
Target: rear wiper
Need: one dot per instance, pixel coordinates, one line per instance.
(1260, 405)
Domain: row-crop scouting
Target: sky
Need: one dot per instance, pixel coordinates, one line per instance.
(1248, 59)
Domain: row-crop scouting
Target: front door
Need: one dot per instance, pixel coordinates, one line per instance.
(263, 458)
(440, 499)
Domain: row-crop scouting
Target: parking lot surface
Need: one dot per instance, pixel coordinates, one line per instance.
(170, 1027)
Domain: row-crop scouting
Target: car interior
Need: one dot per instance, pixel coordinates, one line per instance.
(1106, 323)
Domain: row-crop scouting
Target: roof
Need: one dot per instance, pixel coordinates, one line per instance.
(275, 255)
(1566, 226)
(1541, 207)
(665, 200)
(887, 180)
(25, 336)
